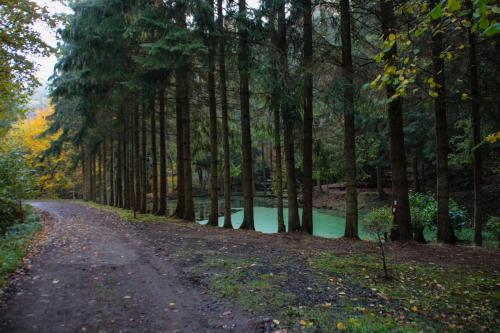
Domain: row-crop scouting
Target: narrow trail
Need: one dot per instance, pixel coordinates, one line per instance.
(95, 273)
(90, 271)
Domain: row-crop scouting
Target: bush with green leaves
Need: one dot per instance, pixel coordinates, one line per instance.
(16, 183)
(423, 210)
(493, 226)
(423, 207)
(378, 222)
(15, 242)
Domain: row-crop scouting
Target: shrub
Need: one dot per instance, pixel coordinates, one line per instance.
(14, 243)
(16, 181)
(423, 210)
(493, 226)
(378, 222)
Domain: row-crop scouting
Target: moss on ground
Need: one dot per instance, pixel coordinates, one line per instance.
(418, 298)
(127, 214)
(238, 280)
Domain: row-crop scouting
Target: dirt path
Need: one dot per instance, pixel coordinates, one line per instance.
(95, 273)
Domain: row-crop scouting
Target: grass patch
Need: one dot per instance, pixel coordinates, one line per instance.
(467, 235)
(423, 297)
(15, 242)
(240, 280)
(353, 295)
(126, 214)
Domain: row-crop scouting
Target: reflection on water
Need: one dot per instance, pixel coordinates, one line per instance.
(327, 223)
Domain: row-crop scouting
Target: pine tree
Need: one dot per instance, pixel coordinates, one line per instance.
(351, 196)
(246, 136)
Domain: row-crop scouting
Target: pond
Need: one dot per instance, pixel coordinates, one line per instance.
(327, 223)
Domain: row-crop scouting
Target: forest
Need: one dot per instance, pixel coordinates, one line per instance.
(372, 125)
(280, 99)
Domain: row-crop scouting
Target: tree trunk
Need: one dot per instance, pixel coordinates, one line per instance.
(137, 159)
(419, 235)
(423, 176)
(104, 174)
(163, 154)
(101, 183)
(402, 221)
(307, 216)
(213, 218)
(246, 136)
(111, 170)
(126, 173)
(92, 177)
(118, 180)
(172, 171)
(131, 160)
(179, 209)
(87, 175)
(83, 162)
(154, 162)
(183, 85)
(263, 165)
(288, 122)
(443, 225)
(225, 120)
(351, 197)
(189, 214)
(293, 209)
(275, 106)
(476, 133)
(144, 169)
(271, 151)
(88, 165)
(278, 167)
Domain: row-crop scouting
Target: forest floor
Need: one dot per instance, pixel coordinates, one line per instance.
(95, 269)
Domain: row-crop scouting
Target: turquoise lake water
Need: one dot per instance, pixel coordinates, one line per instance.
(327, 223)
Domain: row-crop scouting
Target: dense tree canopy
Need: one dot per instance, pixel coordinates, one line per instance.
(353, 119)
(346, 91)
(19, 43)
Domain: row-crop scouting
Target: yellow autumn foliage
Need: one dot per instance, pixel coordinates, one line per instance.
(54, 174)
(492, 138)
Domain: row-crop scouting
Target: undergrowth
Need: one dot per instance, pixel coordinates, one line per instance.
(15, 242)
(126, 214)
(419, 297)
